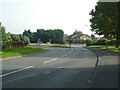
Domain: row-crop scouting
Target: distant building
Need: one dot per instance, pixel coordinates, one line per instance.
(80, 37)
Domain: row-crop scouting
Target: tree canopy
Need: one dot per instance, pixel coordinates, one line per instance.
(105, 19)
(77, 32)
(52, 35)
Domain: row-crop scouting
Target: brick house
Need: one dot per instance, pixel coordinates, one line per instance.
(80, 37)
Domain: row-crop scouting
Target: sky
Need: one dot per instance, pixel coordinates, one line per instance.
(68, 15)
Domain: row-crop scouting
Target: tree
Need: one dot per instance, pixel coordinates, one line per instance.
(29, 34)
(77, 32)
(53, 35)
(93, 36)
(4, 42)
(105, 20)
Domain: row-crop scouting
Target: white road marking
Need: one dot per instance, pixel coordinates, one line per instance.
(51, 60)
(69, 52)
(64, 55)
(16, 71)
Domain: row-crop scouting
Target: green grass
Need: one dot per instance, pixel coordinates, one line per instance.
(110, 48)
(12, 52)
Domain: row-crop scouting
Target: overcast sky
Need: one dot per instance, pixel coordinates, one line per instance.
(68, 15)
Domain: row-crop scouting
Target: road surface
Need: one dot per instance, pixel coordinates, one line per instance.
(56, 68)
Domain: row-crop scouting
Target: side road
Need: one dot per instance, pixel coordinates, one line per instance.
(106, 71)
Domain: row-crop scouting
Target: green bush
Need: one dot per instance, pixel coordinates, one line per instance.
(88, 42)
(4, 39)
(101, 41)
(104, 41)
(19, 40)
(8, 40)
(111, 42)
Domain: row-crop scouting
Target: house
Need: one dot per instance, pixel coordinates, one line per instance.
(85, 37)
(80, 36)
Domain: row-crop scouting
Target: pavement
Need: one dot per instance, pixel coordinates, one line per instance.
(106, 73)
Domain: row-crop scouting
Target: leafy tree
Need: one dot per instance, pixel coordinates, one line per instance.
(29, 34)
(93, 36)
(4, 42)
(105, 20)
(77, 32)
(53, 35)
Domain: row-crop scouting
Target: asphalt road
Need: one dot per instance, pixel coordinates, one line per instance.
(56, 68)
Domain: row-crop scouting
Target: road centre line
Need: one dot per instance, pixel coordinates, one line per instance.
(64, 55)
(16, 71)
(51, 60)
(69, 52)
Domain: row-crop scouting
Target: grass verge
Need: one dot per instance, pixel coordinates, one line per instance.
(110, 48)
(13, 52)
(60, 45)
(52, 45)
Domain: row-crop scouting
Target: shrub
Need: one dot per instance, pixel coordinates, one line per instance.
(88, 42)
(101, 41)
(112, 42)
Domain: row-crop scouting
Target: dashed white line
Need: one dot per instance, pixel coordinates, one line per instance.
(68, 53)
(16, 71)
(51, 60)
(64, 55)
